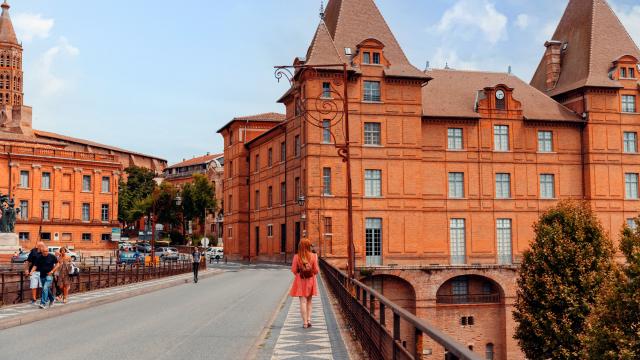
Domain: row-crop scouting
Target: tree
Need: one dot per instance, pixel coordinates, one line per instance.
(133, 192)
(614, 325)
(560, 277)
(198, 197)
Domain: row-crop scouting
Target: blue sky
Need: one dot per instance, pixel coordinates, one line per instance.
(161, 76)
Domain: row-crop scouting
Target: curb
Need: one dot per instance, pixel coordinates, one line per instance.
(70, 308)
(257, 348)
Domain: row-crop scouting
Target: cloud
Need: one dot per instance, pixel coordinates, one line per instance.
(522, 21)
(30, 26)
(630, 18)
(449, 57)
(467, 16)
(48, 82)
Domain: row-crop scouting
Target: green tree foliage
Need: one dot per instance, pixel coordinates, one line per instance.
(614, 325)
(133, 192)
(197, 197)
(560, 278)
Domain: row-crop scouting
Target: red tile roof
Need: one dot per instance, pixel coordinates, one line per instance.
(195, 161)
(595, 38)
(452, 93)
(266, 117)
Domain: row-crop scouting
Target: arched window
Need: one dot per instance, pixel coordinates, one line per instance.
(2, 60)
(488, 353)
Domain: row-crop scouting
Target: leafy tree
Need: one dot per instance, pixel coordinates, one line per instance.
(198, 196)
(133, 192)
(614, 325)
(560, 278)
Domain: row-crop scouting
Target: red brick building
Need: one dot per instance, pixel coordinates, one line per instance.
(450, 168)
(66, 188)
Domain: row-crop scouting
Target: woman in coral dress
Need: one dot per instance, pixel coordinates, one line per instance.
(305, 268)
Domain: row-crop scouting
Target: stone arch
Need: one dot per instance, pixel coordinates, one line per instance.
(501, 286)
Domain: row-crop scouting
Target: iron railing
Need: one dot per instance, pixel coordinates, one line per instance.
(468, 299)
(360, 304)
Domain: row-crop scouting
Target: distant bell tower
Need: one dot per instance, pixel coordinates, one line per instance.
(11, 76)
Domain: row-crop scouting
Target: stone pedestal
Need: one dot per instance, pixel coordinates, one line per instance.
(9, 244)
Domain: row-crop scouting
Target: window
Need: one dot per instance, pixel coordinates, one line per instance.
(632, 73)
(631, 223)
(230, 232)
(503, 227)
(86, 237)
(372, 91)
(366, 58)
(24, 236)
(45, 236)
(326, 131)
(46, 181)
(328, 226)
(283, 238)
(503, 186)
(283, 193)
(326, 181)
(623, 73)
(376, 58)
(86, 212)
(45, 210)
(373, 241)
(257, 200)
(545, 142)
(326, 90)
(230, 205)
(270, 157)
(501, 138)
(230, 168)
(373, 183)
(105, 212)
(488, 353)
(230, 137)
(456, 185)
(270, 197)
(24, 179)
(631, 185)
(106, 184)
(454, 137)
(24, 210)
(270, 230)
(630, 142)
(547, 186)
(297, 145)
(460, 286)
(86, 182)
(457, 241)
(283, 151)
(628, 103)
(257, 168)
(372, 133)
(298, 188)
(105, 237)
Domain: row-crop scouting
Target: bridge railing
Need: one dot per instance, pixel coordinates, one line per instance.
(360, 304)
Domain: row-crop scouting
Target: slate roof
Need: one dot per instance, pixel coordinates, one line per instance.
(595, 38)
(452, 93)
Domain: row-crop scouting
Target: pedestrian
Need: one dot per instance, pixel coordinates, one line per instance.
(56, 290)
(64, 273)
(46, 264)
(34, 277)
(305, 268)
(196, 263)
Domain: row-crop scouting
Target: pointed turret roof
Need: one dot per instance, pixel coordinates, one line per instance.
(594, 38)
(7, 34)
(347, 23)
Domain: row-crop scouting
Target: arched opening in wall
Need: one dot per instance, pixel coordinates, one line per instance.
(401, 293)
(471, 309)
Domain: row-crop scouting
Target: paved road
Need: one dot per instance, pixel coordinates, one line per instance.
(218, 318)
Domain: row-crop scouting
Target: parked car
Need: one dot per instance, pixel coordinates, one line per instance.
(144, 247)
(130, 257)
(215, 253)
(167, 254)
(20, 257)
(74, 256)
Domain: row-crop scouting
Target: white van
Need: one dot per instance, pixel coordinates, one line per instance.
(215, 253)
(72, 255)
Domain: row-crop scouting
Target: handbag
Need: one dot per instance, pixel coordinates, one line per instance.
(74, 270)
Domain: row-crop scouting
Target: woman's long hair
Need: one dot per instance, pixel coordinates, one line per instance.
(304, 251)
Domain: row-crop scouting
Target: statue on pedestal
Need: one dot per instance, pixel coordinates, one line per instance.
(9, 212)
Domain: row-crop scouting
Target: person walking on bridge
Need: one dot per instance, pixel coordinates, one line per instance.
(34, 277)
(197, 255)
(305, 269)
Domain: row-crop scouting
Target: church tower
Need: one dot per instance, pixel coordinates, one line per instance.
(11, 77)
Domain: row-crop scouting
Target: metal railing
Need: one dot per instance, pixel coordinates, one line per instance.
(468, 299)
(14, 285)
(360, 304)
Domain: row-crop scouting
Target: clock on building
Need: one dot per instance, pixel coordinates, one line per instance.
(499, 94)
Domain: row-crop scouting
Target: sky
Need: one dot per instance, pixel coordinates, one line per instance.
(161, 77)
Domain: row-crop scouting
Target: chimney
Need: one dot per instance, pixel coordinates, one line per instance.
(553, 61)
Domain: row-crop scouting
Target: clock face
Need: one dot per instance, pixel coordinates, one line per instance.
(499, 94)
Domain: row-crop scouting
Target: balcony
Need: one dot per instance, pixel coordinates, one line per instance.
(185, 174)
(468, 299)
(25, 150)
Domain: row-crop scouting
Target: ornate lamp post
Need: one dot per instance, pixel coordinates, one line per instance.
(327, 105)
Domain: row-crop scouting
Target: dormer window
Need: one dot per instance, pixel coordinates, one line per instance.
(376, 58)
(623, 72)
(632, 73)
(366, 58)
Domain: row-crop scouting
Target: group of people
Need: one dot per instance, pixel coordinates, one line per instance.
(50, 272)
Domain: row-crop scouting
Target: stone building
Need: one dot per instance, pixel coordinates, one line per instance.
(66, 188)
(449, 168)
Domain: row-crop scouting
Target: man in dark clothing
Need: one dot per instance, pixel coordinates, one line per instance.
(34, 281)
(46, 264)
(196, 263)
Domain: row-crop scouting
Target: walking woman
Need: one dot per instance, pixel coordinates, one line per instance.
(305, 287)
(64, 278)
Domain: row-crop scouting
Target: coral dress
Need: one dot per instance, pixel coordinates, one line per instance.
(304, 287)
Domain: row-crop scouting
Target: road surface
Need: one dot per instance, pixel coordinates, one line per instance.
(219, 318)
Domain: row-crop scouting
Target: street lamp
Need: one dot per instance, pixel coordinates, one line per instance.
(301, 200)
